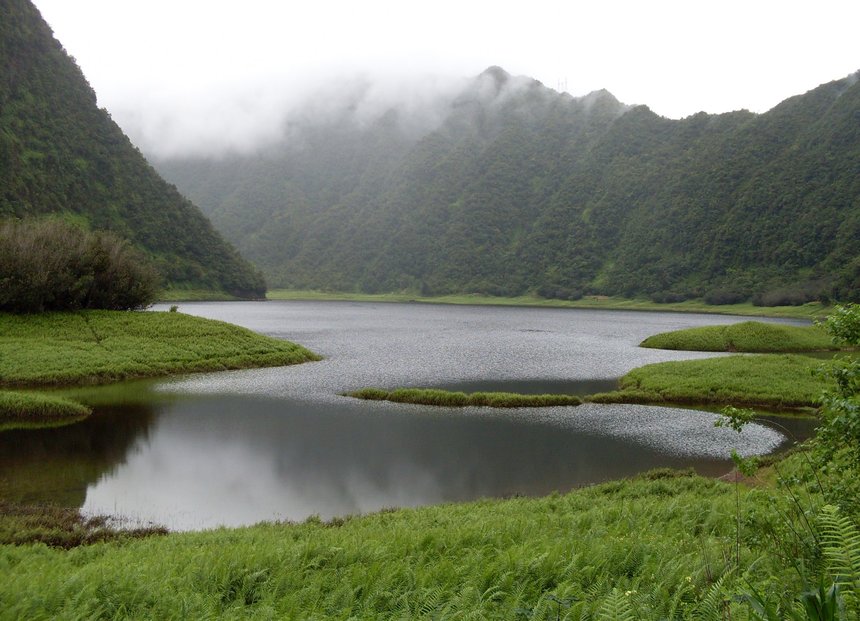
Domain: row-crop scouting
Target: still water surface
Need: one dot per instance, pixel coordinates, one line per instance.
(240, 447)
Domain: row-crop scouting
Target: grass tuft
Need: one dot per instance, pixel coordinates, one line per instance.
(33, 406)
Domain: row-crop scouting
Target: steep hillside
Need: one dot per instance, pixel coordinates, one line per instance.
(61, 154)
(524, 189)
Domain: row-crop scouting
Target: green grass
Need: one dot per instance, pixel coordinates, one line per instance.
(749, 336)
(93, 347)
(194, 295)
(774, 381)
(97, 347)
(432, 396)
(19, 406)
(812, 310)
(658, 544)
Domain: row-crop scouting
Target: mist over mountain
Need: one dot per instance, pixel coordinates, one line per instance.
(521, 189)
(60, 154)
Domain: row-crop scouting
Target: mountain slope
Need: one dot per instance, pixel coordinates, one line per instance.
(525, 189)
(61, 154)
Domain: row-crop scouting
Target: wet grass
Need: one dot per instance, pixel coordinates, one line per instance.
(446, 398)
(61, 527)
(749, 336)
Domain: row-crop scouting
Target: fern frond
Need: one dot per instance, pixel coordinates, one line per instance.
(840, 541)
(711, 606)
(616, 607)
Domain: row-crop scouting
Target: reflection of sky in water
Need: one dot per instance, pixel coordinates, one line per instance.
(282, 444)
(204, 465)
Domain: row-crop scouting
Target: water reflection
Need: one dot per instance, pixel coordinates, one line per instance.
(58, 464)
(240, 447)
(238, 460)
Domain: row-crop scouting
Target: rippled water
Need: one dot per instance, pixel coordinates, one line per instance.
(240, 447)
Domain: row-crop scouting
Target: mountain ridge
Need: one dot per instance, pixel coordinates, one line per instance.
(523, 189)
(61, 155)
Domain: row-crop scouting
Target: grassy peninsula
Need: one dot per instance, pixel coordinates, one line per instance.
(97, 347)
(749, 336)
(767, 381)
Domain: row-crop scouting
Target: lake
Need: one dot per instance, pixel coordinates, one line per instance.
(239, 447)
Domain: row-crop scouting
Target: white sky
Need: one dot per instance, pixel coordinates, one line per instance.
(211, 71)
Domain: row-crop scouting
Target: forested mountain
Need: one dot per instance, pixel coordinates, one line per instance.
(61, 154)
(522, 189)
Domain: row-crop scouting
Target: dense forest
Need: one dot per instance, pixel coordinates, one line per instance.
(522, 189)
(61, 155)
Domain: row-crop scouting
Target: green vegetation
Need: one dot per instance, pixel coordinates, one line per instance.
(104, 346)
(810, 310)
(522, 190)
(661, 546)
(54, 265)
(60, 527)
(749, 336)
(764, 380)
(432, 396)
(31, 406)
(665, 545)
(90, 347)
(61, 154)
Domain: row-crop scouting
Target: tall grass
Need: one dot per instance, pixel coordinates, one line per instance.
(654, 547)
(749, 336)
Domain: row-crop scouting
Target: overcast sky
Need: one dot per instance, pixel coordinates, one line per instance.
(211, 73)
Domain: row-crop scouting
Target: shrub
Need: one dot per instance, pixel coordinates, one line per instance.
(53, 265)
(725, 295)
(668, 297)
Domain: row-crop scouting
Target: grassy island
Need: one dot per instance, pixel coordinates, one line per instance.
(98, 347)
(446, 398)
(749, 336)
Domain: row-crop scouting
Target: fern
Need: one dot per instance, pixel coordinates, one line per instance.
(711, 606)
(840, 542)
(616, 607)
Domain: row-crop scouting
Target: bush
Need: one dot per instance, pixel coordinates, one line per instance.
(50, 265)
(668, 297)
(725, 295)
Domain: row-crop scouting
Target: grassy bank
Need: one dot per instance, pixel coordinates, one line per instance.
(749, 336)
(656, 547)
(95, 347)
(195, 295)
(811, 310)
(433, 396)
(770, 381)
